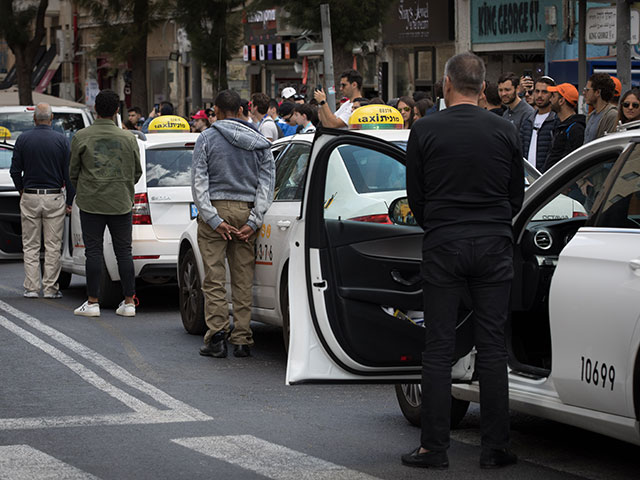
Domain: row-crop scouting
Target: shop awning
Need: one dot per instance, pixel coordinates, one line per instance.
(311, 50)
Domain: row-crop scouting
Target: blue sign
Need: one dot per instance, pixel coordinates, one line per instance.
(270, 52)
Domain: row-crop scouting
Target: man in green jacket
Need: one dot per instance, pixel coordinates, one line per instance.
(105, 166)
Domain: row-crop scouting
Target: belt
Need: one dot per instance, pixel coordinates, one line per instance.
(42, 191)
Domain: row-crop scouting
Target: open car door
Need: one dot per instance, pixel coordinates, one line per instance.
(354, 276)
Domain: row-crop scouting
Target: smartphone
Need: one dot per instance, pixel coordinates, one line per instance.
(527, 73)
(319, 86)
(156, 107)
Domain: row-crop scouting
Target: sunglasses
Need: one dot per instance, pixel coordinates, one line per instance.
(631, 105)
(405, 109)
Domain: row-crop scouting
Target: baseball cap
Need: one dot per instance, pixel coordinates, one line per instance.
(288, 92)
(200, 114)
(618, 84)
(285, 109)
(568, 92)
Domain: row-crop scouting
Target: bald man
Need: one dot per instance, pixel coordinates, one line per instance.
(40, 172)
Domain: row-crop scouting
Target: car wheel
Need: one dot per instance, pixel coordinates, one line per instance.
(190, 296)
(110, 291)
(64, 280)
(410, 400)
(284, 307)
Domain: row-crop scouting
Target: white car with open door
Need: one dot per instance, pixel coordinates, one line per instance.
(574, 335)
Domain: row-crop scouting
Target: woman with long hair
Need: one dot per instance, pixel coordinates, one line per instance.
(629, 109)
(405, 105)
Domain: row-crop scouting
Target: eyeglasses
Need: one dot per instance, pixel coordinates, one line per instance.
(631, 105)
(405, 109)
(529, 92)
(342, 85)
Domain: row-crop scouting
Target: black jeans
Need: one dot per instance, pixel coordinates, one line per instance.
(120, 228)
(482, 267)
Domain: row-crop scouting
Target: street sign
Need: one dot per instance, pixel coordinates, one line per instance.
(601, 26)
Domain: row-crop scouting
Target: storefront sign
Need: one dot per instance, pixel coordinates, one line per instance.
(411, 21)
(495, 21)
(602, 26)
(261, 54)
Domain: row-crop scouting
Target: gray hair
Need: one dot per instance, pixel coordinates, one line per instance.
(43, 112)
(466, 73)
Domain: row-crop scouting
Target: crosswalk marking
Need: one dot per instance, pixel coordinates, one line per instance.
(269, 459)
(177, 411)
(22, 462)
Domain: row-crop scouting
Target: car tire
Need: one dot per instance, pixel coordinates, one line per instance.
(190, 295)
(284, 308)
(410, 400)
(110, 291)
(64, 280)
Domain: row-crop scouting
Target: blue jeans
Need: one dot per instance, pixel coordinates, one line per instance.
(483, 268)
(120, 228)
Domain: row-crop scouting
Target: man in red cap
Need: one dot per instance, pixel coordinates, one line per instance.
(200, 121)
(569, 133)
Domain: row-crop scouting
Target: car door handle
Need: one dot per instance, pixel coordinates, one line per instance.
(283, 223)
(410, 282)
(635, 264)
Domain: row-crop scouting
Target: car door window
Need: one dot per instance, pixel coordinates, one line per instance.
(361, 184)
(621, 205)
(290, 173)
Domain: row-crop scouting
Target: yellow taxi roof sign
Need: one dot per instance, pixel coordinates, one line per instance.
(4, 133)
(169, 123)
(375, 117)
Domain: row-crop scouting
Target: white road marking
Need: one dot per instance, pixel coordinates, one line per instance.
(177, 411)
(21, 462)
(269, 459)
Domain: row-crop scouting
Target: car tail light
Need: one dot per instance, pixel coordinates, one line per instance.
(379, 218)
(141, 213)
(146, 257)
(579, 214)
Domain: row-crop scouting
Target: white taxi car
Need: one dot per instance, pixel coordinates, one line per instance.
(162, 210)
(574, 335)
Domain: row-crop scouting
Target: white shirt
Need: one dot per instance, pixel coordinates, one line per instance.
(533, 146)
(344, 113)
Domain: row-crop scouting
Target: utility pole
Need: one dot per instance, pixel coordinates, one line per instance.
(196, 84)
(329, 80)
(623, 48)
(582, 50)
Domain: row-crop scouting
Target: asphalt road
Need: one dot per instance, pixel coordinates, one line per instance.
(120, 398)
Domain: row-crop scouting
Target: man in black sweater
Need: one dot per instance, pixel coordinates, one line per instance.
(465, 182)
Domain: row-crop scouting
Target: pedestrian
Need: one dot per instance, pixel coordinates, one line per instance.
(39, 170)
(421, 108)
(135, 117)
(200, 121)
(629, 110)
(105, 166)
(350, 86)
(232, 181)
(244, 114)
(464, 184)
(288, 94)
(287, 125)
(166, 108)
(304, 116)
(516, 108)
(490, 99)
(359, 102)
(604, 116)
(537, 129)
(259, 115)
(569, 132)
(273, 110)
(405, 106)
(210, 115)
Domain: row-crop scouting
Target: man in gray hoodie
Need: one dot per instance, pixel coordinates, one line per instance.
(232, 181)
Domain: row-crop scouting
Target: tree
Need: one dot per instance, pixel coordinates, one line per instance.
(213, 28)
(17, 25)
(124, 28)
(353, 22)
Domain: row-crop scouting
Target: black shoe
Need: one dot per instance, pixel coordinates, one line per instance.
(430, 459)
(241, 351)
(496, 458)
(217, 347)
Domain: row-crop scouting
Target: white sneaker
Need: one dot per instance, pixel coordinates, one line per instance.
(30, 294)
(88, 309)
(57, 294)
(126, 309)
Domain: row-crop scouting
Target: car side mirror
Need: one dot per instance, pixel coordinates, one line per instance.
(400, 212)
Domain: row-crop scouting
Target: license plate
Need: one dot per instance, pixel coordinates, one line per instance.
(194, 211)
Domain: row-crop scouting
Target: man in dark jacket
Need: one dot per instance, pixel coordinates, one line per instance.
(465, 182)
(537, 129)
(569, 132)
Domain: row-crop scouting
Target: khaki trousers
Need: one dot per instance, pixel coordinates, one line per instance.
(42, 216)
(241, 259)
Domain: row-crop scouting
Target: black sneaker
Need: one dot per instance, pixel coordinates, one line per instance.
(430, 459)
(217, 347)
(497, 458)
(241, 351)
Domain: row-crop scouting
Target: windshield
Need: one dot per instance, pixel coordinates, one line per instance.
(169, 167)
(19, 122)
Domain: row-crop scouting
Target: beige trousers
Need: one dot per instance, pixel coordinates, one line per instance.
(241, 259)
(42, 216)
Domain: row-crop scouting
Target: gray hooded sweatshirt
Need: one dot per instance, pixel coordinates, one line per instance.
(232, 161)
